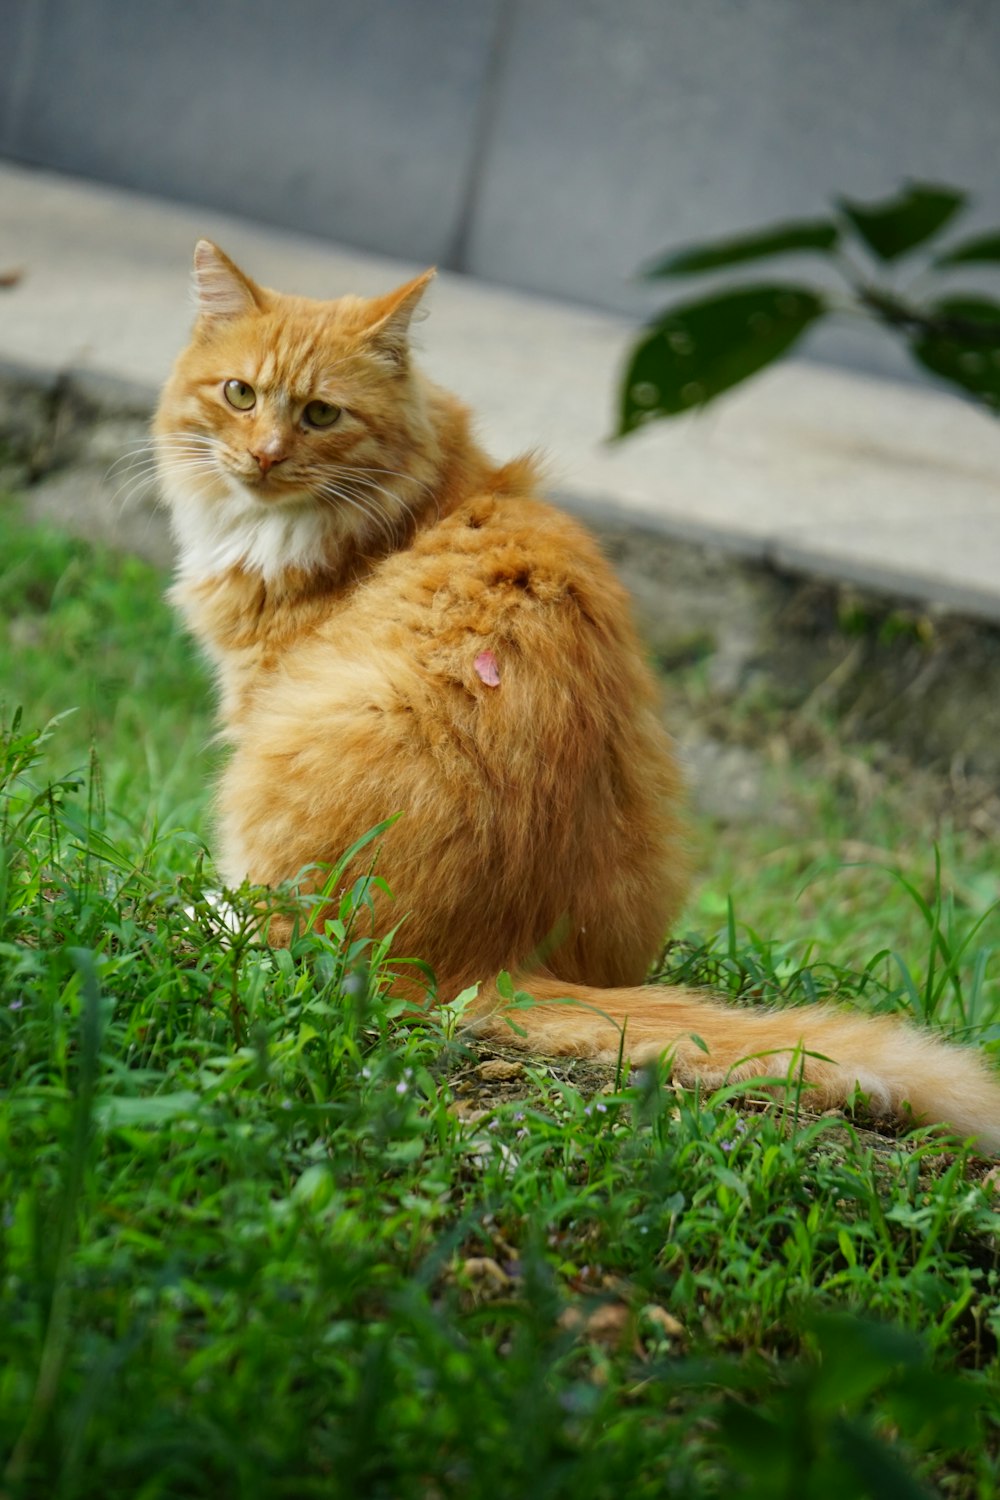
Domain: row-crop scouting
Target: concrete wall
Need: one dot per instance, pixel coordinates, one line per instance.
(548, 144)
(342, 117)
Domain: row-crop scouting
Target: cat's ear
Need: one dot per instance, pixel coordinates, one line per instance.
(392, 315)
(220, 288)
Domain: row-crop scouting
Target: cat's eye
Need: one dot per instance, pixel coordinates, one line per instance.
(320, 414)
(239, 394)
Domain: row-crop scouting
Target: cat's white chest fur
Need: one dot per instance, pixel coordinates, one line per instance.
(238, 529)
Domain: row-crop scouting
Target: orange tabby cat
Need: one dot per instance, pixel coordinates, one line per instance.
(398, 625)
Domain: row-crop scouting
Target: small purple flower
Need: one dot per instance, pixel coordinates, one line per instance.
(16, 1005)
(741, 1129)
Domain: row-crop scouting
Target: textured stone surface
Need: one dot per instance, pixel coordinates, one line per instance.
(851, 478)
(355, 120)
(624, 129)
(554, 146)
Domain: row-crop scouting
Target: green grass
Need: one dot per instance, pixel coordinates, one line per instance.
(90, 640)
(253, 1241)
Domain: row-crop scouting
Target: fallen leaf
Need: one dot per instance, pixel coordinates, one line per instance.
(611, 1325)
(498, 1070)
(468, 1110)
(486, 669)
(662, 1320)
(483, 1268)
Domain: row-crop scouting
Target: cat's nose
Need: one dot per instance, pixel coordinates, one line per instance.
(267, 460)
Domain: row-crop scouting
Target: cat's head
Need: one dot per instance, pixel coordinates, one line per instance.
(285, 406)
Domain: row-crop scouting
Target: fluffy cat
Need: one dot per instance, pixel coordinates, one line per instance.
(399, 625)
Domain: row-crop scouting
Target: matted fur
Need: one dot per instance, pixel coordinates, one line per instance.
(346, 582)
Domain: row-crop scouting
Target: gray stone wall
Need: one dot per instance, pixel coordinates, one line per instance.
(547, 144)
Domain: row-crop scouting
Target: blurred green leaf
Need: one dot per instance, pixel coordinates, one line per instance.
(964, 348)
(937, 1407)
(858, 1356)
(898, 225)
(983, 249)
(876, 1468)
(156, 1109)
(811, 234)
(700, 349)
(758, 1447)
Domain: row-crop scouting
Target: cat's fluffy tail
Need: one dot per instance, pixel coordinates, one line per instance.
(904, 1073)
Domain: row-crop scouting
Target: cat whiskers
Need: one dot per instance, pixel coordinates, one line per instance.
(153, 448)
(395, 474)
(372, 488)
(366, 471)
(143, 479)
(331, 493)
(364, 476)
(404, 511)
(136, 468)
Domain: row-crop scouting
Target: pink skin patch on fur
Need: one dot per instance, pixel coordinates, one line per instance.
(486, 669)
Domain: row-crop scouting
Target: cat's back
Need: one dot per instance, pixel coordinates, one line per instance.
(500, 630)
(501, 566)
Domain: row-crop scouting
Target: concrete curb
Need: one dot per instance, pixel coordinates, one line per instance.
(809, 469)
